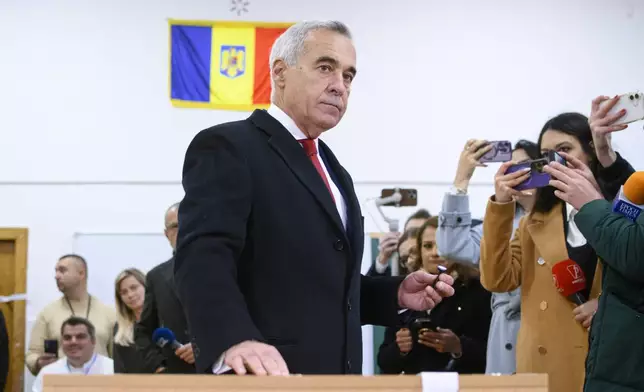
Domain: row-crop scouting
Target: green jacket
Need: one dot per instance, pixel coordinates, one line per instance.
(615, 360)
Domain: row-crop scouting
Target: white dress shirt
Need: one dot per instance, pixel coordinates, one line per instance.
(288, 123)
(98, 364)
(574, 238)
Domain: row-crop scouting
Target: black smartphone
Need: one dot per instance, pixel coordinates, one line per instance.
(421, 325)
(409, 197)
(51, 346)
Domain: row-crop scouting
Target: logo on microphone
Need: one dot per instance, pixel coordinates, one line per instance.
(556, 282)
(576, 273)
(161, 342)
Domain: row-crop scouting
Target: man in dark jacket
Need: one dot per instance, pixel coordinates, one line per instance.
(162, 308)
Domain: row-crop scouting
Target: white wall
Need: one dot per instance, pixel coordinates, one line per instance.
(91, 143)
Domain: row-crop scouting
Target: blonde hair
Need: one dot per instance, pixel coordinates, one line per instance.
(125, 317)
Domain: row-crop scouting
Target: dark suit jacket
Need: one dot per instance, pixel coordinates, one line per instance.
(467, 314)
(263, 255)
(4, 352)
(162, 309)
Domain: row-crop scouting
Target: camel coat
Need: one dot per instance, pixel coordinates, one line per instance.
(550, 340)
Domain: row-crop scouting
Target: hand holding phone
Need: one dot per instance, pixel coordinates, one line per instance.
(633, 105)
(537, 178)
(504, 182)
(501, 152)
(51, 346)
(420, 326)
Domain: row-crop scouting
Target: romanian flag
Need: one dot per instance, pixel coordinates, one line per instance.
(221, 65)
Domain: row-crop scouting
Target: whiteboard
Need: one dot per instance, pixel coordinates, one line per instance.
(107, 254)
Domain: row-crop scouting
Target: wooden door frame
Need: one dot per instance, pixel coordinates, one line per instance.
(17, 340)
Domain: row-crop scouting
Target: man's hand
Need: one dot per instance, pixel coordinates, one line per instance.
(403, 340)
(584, 313)
(601, 126)
(45, 359)
(572, 187)
(256, 358)
(185, 353)
(443, 341)
(469, 161)
(421, 290)
(387, 247)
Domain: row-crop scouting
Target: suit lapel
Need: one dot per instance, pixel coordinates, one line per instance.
(343, 182)
(293, 155)
(546, 230)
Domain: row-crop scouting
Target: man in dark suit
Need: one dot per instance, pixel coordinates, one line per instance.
(270, 229)
(162, 308)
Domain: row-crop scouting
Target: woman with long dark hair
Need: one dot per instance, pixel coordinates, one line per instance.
(553, 337)
(461, 322)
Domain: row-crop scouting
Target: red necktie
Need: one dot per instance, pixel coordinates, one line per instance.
(312, 151)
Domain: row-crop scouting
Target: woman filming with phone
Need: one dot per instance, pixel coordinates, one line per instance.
(453, 336)
(553, 337)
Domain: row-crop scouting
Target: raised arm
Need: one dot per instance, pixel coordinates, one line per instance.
(501, 259)
(457, 240)
(500, 253)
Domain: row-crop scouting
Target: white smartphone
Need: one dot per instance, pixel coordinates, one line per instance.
(634, 105)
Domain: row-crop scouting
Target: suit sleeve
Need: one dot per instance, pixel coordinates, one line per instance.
(616, 239)
(611, 178)
(378, 269)
(152, 355)
(212, 231)
(390, 359)
(500, 264)
(379, 300)
(4, 352)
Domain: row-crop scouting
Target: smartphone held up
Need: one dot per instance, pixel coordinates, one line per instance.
(538, 178)
(501, 151)
(632, 103)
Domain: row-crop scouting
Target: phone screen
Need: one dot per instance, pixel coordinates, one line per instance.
(51, 346)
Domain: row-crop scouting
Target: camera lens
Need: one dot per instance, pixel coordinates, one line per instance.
(538, 166)
(632, 97)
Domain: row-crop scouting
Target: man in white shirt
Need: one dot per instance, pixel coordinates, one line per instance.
(79, 347)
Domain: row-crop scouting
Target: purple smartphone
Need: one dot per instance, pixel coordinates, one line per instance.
(538, 178)
(501, 152)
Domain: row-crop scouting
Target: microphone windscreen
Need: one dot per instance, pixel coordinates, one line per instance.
(634, 188)
(568, 277)
(163, 336)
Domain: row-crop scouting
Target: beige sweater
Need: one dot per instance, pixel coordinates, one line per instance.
(50, 319)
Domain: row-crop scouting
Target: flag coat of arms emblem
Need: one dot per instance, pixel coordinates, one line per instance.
(221, 65)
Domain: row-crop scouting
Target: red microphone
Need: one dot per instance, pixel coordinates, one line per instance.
(570, 280)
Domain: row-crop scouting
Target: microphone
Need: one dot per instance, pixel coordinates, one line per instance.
(570, 280)
(629, 202)
(164, 336)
